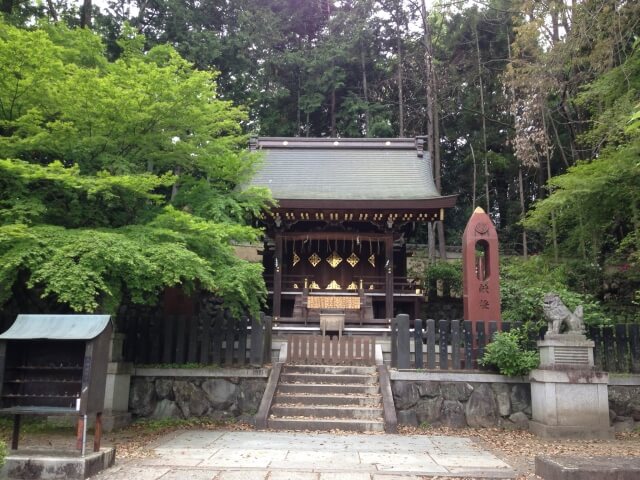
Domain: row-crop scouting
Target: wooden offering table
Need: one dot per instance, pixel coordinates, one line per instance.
(334, 322)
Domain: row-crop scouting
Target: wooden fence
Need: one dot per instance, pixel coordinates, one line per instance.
(319, 349)
(454, 345)
(178, 339)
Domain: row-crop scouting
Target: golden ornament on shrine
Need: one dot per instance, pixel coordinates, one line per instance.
(352, 286)
(314, 259)
(314, 286)
(334, 259)
(334, 285)
(296, 259)
(372, 260)
(353, 259)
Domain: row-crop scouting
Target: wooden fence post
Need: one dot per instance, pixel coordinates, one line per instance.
(417, 343)
(443, 344)
(266, 346)
(404, 345)
(455, 344)
(394, 343)
(257, 341)
(431, 344)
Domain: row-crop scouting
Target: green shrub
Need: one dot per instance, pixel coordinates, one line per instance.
(449, 272)
(508, 354)
(523, 285)
(3, 452)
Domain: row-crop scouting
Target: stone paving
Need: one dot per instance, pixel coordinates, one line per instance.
(209, 455)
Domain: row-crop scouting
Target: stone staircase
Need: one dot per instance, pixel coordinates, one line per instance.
(322, 397)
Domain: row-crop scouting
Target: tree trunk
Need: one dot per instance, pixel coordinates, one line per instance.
(298, 111)
(554, 233)
(6, 6)
(333, 112)
(475, 179)
(400, 93)
(52, 11)
(85, 14)
(431, 240)
(484, 125)
(365, 91)
(523, 213)
(175, 188)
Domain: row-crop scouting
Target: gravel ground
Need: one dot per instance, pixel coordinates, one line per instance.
(518, 448)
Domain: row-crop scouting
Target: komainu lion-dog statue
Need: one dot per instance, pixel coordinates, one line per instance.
(557, 313)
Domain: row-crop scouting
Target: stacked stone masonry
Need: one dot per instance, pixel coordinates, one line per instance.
(418, 402)
(462, 404)
(187, 397)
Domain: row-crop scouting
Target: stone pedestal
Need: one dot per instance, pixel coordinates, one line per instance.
(569, 398)
(116, 395)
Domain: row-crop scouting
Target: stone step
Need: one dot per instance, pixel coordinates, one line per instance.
(327, 411)
(350, 379)
(345, 400)
(285, 423)
(330, 369)
(328, 388)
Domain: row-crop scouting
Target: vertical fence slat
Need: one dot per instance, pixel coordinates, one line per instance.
(216, 340)
(468, 345)
(609, 349)
(229, 340)
(334, 350)
(180, 333)
(205, 339)
(493, 328)
(455, 344)
(343, 351)
(417, 343)
(257, 341)
(431, 344)
(622, 364)
(267, 342)
(404, 345)
(192, 350)
(634, 347)
(595, 335)
(482, 341)
(394, 342)
(443, 327)
(167, 343)
(155, 338)
(242, 341)
(143, 336)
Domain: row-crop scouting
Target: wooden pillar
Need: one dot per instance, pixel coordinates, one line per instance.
(277, 278)
(388, 274)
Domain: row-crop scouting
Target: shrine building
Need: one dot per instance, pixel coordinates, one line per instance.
(337, 238)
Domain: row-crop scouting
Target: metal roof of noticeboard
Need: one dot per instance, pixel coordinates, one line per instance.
(56, 327)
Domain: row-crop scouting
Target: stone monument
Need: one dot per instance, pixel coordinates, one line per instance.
(569, 397)
(480, 275)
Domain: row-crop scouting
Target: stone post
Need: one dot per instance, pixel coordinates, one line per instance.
(116, 395)
(569, 398)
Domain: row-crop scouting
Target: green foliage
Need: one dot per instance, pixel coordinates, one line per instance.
(507, 353)
(449, 272)
(524, 284)
(119, 178)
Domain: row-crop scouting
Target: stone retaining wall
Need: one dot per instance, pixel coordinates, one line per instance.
(462, 404)
(186, 393)
(486, 400)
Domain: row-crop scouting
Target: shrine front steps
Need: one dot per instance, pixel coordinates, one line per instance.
(321, 397)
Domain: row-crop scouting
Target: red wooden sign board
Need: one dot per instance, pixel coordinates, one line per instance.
(480, 270)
